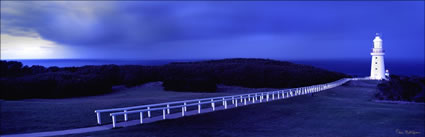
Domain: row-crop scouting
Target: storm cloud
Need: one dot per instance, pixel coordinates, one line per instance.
(205, 29)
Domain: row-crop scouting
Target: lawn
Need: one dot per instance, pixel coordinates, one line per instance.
(347, 110)
(36, 115)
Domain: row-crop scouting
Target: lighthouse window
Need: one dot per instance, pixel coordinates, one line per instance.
(376, 57)
(376, 62)
(376, 68)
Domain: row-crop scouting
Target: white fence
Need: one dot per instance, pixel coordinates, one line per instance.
(243, 99)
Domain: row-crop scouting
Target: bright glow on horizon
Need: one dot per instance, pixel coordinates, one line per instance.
(30, 47)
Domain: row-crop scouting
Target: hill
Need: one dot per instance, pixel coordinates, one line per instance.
(252, 73)
(20, 82)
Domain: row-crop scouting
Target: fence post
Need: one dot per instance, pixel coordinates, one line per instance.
(278, 95)
(183, 111)
(168, 108)
(98, 118)
(113, 121)
(149, 112)
(125, 116)
(267, 96)
(163, 113)
(199, 106)
(225, 104)
(185, 108)
(212, 105)
(244, 101)
(261, 97)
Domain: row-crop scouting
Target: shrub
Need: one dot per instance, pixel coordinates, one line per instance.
(400, 88)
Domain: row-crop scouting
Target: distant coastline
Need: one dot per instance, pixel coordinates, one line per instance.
(354, 67)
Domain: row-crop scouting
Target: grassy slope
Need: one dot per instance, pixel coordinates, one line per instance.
(342, 111)
(35, 115)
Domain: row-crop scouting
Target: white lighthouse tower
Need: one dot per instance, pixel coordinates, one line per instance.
(377, 70)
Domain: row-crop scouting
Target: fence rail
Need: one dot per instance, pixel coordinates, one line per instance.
(216, 101)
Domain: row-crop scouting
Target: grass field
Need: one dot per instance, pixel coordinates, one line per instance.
(347, 110)
(35, 115)
(343, 111)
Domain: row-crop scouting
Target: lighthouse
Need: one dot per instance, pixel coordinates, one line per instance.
(377, 70)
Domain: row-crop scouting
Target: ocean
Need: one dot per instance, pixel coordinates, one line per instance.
(361, 68)
(351, 67)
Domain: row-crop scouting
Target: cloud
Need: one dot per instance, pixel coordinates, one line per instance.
(172, 29)
(145, 23)
(23, 47)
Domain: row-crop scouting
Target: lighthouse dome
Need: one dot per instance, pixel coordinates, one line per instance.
(377, 39)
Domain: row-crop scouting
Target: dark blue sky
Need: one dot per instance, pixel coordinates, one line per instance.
(284, 30)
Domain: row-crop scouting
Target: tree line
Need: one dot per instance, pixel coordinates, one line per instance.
(20, 82)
